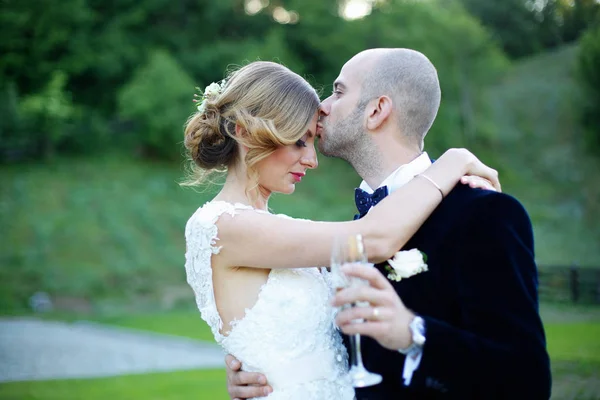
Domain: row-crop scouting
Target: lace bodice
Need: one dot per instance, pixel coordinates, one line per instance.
(289, 334)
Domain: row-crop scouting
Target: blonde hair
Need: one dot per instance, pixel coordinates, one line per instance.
(271, 104)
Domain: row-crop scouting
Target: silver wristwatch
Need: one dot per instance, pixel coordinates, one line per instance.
(417, 329)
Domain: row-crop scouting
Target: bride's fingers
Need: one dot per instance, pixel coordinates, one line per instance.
(480, 169)
(477, 182)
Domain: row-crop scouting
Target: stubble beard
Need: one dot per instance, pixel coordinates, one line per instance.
(345, 138)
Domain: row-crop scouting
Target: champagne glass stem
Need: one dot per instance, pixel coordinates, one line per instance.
(357, 353)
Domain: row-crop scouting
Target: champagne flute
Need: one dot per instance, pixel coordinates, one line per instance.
(349, 250)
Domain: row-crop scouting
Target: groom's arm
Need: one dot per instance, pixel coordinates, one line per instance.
(496, 349)
(499, 349)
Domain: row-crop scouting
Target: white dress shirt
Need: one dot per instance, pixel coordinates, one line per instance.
(402, 175)
(395, 180)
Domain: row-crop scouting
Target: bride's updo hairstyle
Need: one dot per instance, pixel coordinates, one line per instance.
(272, 105)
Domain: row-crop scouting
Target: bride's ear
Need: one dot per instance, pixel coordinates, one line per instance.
(379, 111)
(241, 133)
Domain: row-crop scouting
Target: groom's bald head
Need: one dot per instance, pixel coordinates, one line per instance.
(409, 79)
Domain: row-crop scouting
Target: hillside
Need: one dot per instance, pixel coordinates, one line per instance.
(112, 227)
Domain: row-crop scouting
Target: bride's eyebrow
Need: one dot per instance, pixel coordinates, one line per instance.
(310, 133)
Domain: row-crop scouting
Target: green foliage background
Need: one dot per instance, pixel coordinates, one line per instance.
(589, 78)
(94, 94)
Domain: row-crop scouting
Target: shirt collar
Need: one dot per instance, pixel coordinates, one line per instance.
(402, 175)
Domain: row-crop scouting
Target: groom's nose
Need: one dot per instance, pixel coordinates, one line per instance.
(325, 107)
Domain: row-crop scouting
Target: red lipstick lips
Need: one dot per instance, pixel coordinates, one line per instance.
(298, 176)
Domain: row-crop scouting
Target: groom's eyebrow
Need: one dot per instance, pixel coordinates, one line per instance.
(338, 85)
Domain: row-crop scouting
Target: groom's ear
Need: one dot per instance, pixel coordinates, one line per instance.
(379, 110)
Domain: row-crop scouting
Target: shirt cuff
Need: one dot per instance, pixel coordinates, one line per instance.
(411, 363)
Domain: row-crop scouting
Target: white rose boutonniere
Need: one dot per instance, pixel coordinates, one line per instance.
(406, 264)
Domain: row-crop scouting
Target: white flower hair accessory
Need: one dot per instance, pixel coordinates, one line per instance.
(405, 264)
(212, 90)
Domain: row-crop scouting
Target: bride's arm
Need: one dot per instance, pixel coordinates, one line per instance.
(261, 240)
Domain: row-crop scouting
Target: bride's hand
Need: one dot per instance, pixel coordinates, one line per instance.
(461, 165)
(477, 182)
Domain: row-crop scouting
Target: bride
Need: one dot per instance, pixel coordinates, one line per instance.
(256, 274)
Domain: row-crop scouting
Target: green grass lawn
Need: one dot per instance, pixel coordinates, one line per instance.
(574, 348)
(186, 385)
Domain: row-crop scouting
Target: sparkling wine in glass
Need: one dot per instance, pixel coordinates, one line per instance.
(350, 250)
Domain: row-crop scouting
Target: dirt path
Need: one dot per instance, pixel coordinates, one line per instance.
(32, 349)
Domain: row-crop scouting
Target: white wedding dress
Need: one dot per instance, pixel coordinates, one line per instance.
(289, 334)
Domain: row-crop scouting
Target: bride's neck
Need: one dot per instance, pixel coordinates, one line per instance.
(235, 190)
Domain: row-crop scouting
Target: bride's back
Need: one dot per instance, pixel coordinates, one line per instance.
(236, 290)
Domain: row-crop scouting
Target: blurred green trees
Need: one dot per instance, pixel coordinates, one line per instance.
(157, 99)
(83, 75)
(36, 125)
(589, 78)
(523, 27)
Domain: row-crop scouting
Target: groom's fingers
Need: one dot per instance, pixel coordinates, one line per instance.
(361, 293)
(368, 273)
(232, 363)
(371, 329)
(245, 385)
(249, 392)
(349, 315)
(248, 378)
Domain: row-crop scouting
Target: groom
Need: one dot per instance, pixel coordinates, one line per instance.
(468, 327)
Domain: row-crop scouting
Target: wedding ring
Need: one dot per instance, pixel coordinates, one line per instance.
(375, 313)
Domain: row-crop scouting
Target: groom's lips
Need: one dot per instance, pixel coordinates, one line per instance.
(319, 128)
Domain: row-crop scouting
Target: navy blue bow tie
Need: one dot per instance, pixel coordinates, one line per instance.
(364, 201)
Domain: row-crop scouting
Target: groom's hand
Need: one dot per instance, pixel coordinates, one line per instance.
(244, 385)
(386, 319)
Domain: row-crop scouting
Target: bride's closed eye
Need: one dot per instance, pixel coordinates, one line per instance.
(301, 143)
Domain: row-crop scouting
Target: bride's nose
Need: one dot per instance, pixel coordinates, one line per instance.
(309, 157)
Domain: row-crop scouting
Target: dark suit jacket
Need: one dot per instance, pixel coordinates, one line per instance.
(485, 339)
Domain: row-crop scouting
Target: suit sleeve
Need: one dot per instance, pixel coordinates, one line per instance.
(499, 349)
